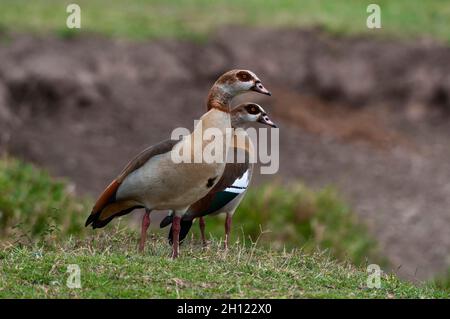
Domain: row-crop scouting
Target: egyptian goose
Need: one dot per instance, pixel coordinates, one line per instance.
(229, 191)
(152, 180)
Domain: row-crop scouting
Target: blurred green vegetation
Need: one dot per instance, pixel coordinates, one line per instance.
(33, 204)
(287, 217)
(195, 19)
(443, 281)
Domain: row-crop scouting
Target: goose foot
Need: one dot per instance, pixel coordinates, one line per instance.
(176, 236)
(227, 231)
(201, 223)
(144, 226)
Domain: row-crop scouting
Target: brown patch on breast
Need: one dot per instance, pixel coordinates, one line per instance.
(232, 172)
(211, 181)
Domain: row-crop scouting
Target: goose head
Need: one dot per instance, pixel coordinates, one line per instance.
(231, 84)
(236, 82)
(246, 113)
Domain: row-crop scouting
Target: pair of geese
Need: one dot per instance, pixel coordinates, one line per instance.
(153, 181)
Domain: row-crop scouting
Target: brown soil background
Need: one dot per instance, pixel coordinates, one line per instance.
(367, 116)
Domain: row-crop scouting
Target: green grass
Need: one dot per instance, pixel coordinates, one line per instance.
(307, 242)
(195, 19)
(111, 268)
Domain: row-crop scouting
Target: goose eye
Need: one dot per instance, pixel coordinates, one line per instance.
(251, 109)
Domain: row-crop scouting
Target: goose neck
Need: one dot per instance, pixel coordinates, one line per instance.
(219, 98)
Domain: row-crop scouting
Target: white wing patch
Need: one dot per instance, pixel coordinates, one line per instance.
(240, 184)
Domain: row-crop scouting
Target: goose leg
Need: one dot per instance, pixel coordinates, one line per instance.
(227, 230)
(144, 226)
(176, 236)
(201, 223)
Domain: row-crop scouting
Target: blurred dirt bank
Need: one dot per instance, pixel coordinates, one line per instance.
(370, 117)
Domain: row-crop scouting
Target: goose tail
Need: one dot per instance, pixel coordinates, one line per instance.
(166, 221)
(107, 207)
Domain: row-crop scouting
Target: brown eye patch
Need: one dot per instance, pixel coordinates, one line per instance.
(243, 76)
(252, 109)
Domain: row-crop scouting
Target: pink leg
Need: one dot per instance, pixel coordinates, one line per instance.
(144, 227)
(201, 223)
(176, 236)
(227, 230)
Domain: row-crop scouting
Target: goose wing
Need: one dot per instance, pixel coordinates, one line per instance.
(108, 196)
(234, 181)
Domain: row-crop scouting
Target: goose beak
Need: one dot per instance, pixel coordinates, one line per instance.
(258, 87)
(264, 119)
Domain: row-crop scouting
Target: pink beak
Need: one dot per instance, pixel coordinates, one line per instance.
(258, 87)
